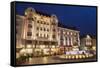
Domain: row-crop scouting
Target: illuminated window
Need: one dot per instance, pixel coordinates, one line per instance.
(63, 32)
(88, 42)
(29, 46)
(67, 33)
(33, 46)
(71, 33)
(29, 33)
(53, 46)
(29, 25)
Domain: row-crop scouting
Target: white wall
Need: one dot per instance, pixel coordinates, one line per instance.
(5, 34)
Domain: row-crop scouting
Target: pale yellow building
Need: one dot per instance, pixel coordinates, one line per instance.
(68, 38)
(88, 42)
(38, 33)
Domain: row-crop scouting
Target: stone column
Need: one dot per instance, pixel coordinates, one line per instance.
(78, 40)
(64, 42)
(71, 41)
(68, 41)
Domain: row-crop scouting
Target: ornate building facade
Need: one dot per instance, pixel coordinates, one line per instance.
(68, 38)
(88, 42)
(40, 34)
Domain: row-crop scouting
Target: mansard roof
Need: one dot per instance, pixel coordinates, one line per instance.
(42, 13)
(92, 36)
(66, 26)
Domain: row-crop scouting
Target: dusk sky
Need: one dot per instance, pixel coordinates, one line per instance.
(84, 18)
